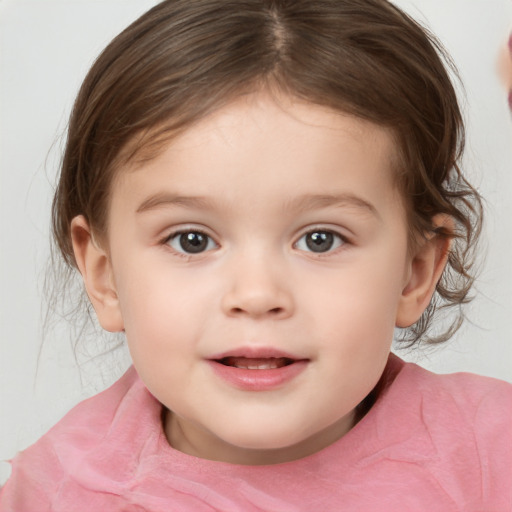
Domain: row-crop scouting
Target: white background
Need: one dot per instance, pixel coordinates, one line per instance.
(46, 48)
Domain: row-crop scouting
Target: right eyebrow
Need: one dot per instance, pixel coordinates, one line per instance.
(343, 200)
(165, 199)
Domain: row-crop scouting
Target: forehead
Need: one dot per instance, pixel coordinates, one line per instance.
(265, 110)
(274, 145)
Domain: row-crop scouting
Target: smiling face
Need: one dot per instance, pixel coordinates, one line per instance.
(259, 266)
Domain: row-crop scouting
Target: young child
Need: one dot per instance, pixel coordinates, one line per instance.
(258, 193)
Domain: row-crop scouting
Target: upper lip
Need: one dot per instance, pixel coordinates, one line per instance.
(256, 353)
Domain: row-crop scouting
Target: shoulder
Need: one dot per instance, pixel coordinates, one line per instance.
(88, 422)
(482, 404)
(449, 403)
(91, 431)
(466, 394)
(463, 424)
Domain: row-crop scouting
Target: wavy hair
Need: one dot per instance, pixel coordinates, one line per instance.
(184, 59)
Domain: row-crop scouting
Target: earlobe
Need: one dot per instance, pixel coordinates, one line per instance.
(95, 267)
(426, 268)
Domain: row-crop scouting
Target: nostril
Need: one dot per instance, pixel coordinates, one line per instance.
(273, 311)
(257, 302)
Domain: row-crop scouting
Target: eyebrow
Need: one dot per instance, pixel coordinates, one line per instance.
(317, 201)
(298, 204)
(165, 199)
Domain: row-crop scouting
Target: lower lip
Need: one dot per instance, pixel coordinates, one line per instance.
(258, 380)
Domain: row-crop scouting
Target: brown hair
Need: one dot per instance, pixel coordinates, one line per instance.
(185, 58)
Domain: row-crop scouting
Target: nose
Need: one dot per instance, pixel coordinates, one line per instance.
(257, 289)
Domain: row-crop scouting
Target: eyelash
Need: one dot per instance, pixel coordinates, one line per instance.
(182, 253)
(338, 240)
(333, 238)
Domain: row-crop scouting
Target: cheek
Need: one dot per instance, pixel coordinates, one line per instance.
(149, 304)
(158, 333)
(367, 287)
(165, 310)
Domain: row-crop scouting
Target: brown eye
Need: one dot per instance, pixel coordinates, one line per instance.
(191, 242)
(319, 241)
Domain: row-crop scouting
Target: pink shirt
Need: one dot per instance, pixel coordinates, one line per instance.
(430, 443)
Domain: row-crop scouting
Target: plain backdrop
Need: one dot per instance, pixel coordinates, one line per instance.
(46, 48)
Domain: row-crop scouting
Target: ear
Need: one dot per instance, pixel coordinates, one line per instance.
(96, 269)
(426, 266)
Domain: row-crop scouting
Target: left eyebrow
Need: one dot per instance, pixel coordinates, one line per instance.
(166, 199)
(317, 201)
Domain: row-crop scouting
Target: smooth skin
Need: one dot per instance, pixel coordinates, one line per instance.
(255, 186)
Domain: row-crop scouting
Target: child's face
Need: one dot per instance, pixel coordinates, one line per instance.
(264, 235)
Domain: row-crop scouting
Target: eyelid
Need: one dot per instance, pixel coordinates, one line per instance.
(343, 233)
(322, 229)
(177, 231)
(185, 229)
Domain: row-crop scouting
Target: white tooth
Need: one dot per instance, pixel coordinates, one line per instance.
(261, 366)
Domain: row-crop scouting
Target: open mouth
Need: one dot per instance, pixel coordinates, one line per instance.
(249, 363)
(257, 369)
